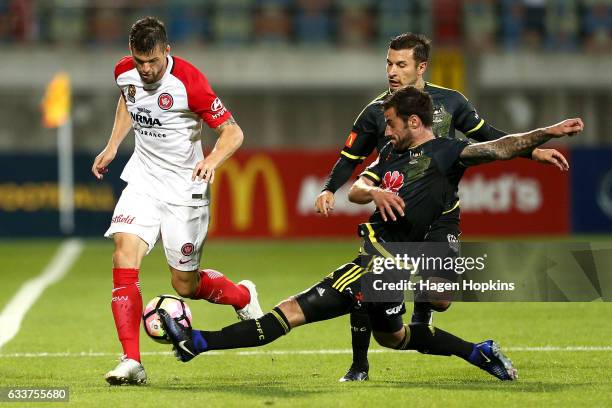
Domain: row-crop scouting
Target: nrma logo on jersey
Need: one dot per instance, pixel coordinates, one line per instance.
(144, 119)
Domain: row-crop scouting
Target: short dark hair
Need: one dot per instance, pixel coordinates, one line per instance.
(409, 101)
(148, 33)
(410, 41)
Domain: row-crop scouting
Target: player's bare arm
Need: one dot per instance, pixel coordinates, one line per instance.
(511, 146)
(121, 127)
(363, 191)
(230, 139)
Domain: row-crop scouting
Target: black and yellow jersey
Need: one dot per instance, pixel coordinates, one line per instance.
(452, 111)
(426, 177)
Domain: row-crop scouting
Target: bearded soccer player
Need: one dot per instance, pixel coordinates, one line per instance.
(407, 59)
(430, 169)
(165, 99)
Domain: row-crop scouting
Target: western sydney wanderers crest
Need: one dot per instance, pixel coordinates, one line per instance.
(131, 93)
(187, 249)
(165, 101)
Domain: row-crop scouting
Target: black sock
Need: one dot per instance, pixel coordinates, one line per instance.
(431, 340)
(361, 331)
(422, 313)
(248, 333)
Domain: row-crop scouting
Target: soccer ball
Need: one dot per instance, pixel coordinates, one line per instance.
(175, 307)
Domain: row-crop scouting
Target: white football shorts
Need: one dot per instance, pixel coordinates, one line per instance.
(182, 228)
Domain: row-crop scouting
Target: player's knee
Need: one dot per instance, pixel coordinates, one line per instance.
(124, 258)
(183, 290)
(184, 287)
(389, 340)
(129, 250)
(440, 305)
(125, 254)
(292, 311)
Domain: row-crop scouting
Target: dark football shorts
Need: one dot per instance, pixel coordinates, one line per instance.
(445, 230)
(340, 293)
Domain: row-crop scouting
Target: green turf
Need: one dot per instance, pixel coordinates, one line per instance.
(74, 316)
(21, 261)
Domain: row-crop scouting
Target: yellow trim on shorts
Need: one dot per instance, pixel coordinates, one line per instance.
(345, 276)
(360, 273)
(452, 209)
(375, 243)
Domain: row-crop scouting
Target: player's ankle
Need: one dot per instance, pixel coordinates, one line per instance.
(361, 366)
(245, 299)
(133, 356)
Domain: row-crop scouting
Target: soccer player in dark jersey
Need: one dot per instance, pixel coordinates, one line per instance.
(407, 58)
(428, 173)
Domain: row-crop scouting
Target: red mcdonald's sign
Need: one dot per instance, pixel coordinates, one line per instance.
(271, 193)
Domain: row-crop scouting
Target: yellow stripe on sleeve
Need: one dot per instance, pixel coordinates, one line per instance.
(478, 126)
(351, 156)
(369, 173)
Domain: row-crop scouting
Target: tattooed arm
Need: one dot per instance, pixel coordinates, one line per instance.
(511, 146)
(230, 139)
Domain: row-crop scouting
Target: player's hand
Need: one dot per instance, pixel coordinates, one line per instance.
(387, 202)
(568, 127)
(205, 171)
(101, 162)
(550, 156)
(325, 202)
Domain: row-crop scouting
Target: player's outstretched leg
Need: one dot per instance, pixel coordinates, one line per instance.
(189, 343)
(486, 355)
(214, 287)
(320, 302)
(361, 331)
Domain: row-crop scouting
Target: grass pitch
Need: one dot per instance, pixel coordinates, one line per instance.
(72, 323)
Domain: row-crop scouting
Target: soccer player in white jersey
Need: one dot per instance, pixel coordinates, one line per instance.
(164, 99)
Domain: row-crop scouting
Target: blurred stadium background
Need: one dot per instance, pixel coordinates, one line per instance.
(295, 74)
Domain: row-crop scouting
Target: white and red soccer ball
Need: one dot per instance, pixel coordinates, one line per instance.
(175, 307)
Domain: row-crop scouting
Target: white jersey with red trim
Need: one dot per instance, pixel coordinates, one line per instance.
(167, 117)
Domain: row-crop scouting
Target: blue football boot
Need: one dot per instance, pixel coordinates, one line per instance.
(179, 335)
(488, 356)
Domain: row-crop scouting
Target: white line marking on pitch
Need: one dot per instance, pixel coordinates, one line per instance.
(15, 310)
(289, 352)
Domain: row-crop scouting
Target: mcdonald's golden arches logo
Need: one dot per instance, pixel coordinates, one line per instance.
(242, 181)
